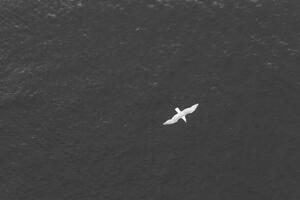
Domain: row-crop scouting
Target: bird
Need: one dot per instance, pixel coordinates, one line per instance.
(181, 114)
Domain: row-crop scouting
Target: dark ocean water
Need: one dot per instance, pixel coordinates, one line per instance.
(86, 85)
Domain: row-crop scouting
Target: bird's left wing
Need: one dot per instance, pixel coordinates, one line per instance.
(173, 120)
(190, 109)
(168, 122)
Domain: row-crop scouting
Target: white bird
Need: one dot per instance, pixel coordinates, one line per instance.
(181, 114)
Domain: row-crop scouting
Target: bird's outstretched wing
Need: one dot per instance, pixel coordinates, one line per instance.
(174, 119)
(190, 109)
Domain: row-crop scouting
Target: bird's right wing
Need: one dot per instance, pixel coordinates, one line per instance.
(190, 109)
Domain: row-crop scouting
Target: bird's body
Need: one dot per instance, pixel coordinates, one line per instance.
(181, 114)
